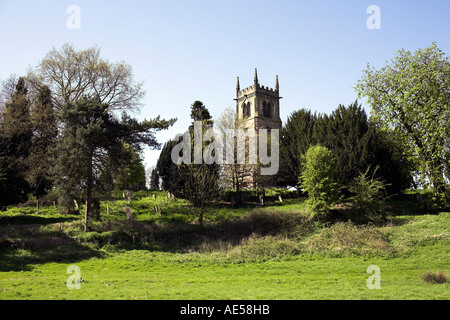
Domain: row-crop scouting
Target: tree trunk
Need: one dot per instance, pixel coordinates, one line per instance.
(89, 185)
(237, 186)
(200, 217)
(86, 215)
(437, 176)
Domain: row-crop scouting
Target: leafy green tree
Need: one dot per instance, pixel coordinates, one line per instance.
(368, 197)
(410, 96)
(317, 179)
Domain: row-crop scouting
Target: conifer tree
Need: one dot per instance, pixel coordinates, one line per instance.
(16, 127)
(295, 139)
(154, 180)
(15, 141)
(200, 182)
(356, 144)
(3, 183)
(200, 113)
(352, 142)
(128, 171)
(358, 148)
(45, 132)
(91, 135)
(167, 170)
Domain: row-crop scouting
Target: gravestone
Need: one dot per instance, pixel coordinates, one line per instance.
(129, 214)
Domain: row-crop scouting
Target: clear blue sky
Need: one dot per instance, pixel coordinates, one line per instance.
(194, 50)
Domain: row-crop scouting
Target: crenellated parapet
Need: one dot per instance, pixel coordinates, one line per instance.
(259, 104)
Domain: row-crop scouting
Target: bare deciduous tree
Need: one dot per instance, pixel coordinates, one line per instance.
(234, 175)
(71, 74)
(7, 88)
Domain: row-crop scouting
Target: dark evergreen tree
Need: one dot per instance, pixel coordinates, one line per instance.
(198, 183)
(296, 137)
(45, 131)
(356, 145)
(394, 166)
(167, 170)
(15, 141)
(154, 180)
(3, 183)
(91, 135)
(172, 175)
(352, 142)
(128, 171)
(200, 113)
(357, 148)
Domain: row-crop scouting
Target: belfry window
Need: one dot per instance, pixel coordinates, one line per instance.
(267, 108)
(246, 109)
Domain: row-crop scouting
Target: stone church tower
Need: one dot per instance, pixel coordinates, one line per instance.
(260, 104)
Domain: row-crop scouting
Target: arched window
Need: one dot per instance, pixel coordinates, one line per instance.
(267, 109)
(246, 109)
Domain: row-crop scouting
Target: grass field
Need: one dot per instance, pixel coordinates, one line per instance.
(250, 253)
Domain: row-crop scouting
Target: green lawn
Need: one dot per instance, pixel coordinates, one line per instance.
(141, 274)
(322, 263)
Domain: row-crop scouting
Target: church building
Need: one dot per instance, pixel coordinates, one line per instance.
(260, 104)
(259, 107)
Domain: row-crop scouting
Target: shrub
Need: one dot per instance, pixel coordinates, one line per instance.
(263, 248)
(276, 223)
(369, 196)
(317, 180)
(345, 238)
(435, 277)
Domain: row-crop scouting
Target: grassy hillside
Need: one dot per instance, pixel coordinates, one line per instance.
(250, 252)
